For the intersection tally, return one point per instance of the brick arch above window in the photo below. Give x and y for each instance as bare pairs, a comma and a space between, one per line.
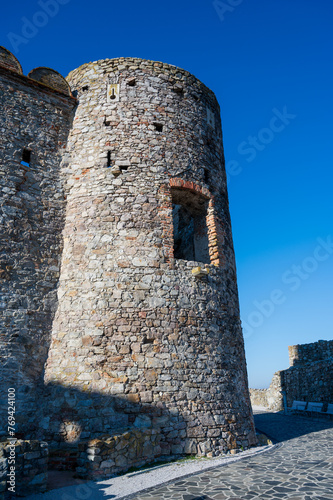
177, 182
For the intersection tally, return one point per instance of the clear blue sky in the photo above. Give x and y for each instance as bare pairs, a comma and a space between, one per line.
270, 66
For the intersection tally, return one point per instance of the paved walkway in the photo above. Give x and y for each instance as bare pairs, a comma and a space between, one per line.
301, 468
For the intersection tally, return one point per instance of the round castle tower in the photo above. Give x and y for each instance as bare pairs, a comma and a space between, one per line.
137, 324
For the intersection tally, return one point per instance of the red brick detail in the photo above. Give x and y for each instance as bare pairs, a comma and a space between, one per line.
216, 236
165, 214
195, 188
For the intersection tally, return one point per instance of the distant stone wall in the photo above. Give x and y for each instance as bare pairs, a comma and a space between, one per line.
274, 393
28, 474
309, 382
258, 397
309, 353
309, 378
270, 398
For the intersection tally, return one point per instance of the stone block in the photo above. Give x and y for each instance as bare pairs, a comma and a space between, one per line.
107, 464
31, 455
121, 461
142, 421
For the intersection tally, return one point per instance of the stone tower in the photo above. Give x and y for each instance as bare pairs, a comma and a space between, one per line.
147, 204
119, 304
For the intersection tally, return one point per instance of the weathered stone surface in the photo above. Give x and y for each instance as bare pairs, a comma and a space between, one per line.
35, 121
118, 453
30, 469
309, 378
165, 340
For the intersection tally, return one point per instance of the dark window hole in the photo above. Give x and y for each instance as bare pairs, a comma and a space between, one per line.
109, 159
26, 157
206, 175
148, 341
158, 127
178, 89
85, 88
131, 82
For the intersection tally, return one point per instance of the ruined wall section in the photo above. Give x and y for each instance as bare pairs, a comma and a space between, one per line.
35, 118
309, 377
133, 324
308, 353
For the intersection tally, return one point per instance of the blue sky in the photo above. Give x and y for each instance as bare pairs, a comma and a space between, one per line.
270, 66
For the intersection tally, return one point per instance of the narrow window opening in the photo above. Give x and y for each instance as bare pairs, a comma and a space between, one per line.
148, 341
113, 94
131, 82
107, 122
158, 127
206, 175
85, 88
178, 89
183, 232
108, 159
26, 157
190, 233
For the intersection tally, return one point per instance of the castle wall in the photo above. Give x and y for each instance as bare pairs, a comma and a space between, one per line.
134, 327
309, 378
259, 397
309, 353
35, 118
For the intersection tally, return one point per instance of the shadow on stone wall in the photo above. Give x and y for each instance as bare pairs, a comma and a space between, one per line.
93, 435
72, 422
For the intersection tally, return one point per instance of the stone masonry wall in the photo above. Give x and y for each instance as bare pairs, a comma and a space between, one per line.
259, 397
309, 353
109, 455
35, 118
309, 378
309, 382
134, 329
28, 474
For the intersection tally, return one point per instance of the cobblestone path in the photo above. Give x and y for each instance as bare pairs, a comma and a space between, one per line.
301, 468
